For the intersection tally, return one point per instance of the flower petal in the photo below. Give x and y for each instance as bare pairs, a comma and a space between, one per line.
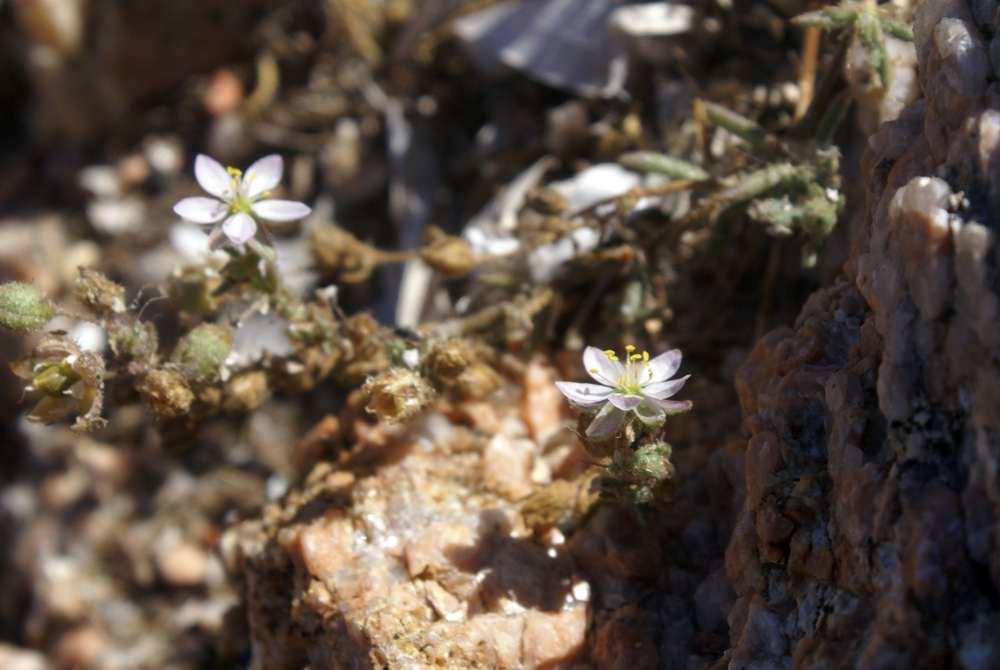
216, 239
663, 390
665, 365
263, 175
671, 406
607, 370
606, 422
212, 176
239, 227
201, 210
584, 396
281, 210
625, 402
650, 414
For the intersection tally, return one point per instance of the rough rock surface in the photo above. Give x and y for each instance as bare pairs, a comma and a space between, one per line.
868, 536
420, 549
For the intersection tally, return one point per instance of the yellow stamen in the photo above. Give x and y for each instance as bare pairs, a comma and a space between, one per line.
645, 356
265, 194
234, 172
232, 184
609, 352
634, 357
629, 348
593, 369
619, 381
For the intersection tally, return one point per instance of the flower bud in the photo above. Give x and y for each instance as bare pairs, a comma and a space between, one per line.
138, 340
23, 308
397, 394
202, 351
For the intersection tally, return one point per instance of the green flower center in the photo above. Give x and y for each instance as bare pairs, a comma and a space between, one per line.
240, 201
55, 378
635, 365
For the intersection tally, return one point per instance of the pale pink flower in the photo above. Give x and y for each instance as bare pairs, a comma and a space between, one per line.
238, 199
640, 385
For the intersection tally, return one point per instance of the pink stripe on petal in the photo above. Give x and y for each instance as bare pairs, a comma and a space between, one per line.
281, 210
212, 177
263, 175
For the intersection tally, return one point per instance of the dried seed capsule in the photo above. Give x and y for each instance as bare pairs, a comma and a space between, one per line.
451, 256
98, 293
166, 393
397, 395
71, 379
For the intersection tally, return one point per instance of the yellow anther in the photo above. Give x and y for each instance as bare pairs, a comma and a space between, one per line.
232, 184
619, 381
645, 356
593, 369
609, 352
634, 357
234, 172
265, 194
629, 348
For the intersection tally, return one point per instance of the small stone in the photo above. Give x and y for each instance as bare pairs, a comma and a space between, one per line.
224, 93
80, 647
183, 565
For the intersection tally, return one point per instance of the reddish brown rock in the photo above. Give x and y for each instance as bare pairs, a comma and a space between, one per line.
868, 535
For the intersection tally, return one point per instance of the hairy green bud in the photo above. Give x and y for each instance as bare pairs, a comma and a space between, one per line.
202, 351
23, 308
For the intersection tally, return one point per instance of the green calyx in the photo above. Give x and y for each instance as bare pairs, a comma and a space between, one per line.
23, 308
203, 350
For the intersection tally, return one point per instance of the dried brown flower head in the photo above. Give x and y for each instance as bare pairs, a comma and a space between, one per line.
71, 379
166, 393
98, 293
396, 395
451, 256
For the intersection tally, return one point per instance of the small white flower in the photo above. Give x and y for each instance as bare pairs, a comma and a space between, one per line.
640, 385
237, 202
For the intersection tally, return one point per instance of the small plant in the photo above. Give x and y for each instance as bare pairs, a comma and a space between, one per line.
628, 406
865, 22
